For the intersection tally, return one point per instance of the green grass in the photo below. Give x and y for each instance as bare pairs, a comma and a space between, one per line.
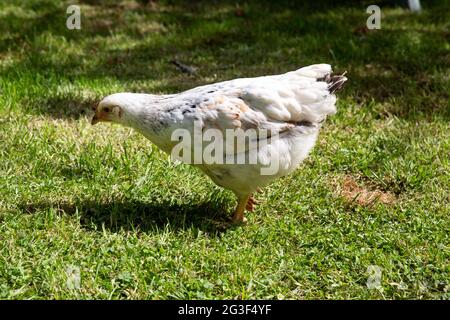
104, 200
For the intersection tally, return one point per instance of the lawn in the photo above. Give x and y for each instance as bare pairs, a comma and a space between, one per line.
97, 212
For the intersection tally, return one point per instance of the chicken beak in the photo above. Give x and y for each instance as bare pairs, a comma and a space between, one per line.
95, 119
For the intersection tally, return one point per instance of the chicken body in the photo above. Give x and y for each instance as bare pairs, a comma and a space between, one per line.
283, 113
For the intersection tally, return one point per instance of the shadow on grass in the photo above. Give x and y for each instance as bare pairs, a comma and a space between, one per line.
208, 217
63, 107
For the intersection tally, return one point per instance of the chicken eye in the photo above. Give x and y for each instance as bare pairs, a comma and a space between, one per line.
107, 109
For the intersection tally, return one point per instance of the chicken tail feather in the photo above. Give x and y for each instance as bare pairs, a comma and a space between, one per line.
335, 82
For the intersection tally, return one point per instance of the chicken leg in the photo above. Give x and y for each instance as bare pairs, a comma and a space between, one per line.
238, 217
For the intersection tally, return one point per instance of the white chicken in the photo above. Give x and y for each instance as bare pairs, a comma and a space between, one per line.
286, 112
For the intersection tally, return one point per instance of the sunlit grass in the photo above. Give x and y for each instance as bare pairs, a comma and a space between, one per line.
106, 201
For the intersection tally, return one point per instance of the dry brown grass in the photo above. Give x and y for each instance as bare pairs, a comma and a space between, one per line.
354, 192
